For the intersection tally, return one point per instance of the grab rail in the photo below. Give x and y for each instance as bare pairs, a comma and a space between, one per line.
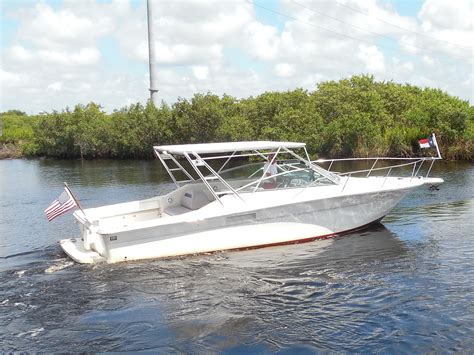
377, 159
378, 169
412, 161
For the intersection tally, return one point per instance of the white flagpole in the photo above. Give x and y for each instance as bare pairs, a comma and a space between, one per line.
436, 144
75, 200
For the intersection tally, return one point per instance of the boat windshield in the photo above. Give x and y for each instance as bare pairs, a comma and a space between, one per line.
283, 165
290, 173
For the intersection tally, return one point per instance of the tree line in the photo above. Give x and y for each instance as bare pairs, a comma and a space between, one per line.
354, 117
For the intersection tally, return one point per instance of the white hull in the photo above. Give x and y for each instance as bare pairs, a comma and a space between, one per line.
308, 214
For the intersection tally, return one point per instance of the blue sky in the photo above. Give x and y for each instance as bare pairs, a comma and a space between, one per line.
56, 53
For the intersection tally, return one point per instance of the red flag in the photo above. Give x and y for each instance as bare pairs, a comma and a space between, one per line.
429, 142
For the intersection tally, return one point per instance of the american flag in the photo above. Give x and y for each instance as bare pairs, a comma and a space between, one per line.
64, 203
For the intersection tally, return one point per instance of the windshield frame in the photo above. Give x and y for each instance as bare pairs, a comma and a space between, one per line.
200, 165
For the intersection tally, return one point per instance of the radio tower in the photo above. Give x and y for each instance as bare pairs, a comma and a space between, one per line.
151, 54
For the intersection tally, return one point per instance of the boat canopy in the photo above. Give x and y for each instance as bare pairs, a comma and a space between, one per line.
225, 147
200, 165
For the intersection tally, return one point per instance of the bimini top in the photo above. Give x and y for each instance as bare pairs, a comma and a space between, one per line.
225, 147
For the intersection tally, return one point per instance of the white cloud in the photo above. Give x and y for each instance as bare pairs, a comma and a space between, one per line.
430, 61
56, 86
372, 58
85, 56
186, 33
284, 70
9, 79
61, 49
183, 54
402, 67
442, 14
18, 52
200, 72
84, 87
409, 44
262, 40
49, 28
447, 27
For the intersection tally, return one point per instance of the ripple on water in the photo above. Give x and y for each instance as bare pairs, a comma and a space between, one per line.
406, 287
350, 293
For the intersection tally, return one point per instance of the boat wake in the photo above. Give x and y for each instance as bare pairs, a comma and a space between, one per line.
59, 265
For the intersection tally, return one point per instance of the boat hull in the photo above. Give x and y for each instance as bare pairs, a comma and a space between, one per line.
281, 224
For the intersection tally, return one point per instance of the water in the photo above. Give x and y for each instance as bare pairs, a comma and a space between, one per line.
404, 286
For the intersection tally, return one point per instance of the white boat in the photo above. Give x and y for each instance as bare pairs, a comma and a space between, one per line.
219, 206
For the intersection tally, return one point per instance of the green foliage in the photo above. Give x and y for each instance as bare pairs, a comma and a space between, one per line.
135, 129
351, 117
198, 120
16, 127
13, 113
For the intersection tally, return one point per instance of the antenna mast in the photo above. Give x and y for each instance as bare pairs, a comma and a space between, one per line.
151, 54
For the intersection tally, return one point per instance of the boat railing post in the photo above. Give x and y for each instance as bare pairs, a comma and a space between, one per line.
347, 180
413, 171
418, 170
324, 172
436, 144
389, 171
181, 167
265, 170
170, 173
330, 165
228, 159
213, 172
373, 166
196, 169
307, 154
429, 170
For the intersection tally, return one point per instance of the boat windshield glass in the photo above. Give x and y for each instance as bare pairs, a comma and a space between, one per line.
290, 173
229, 173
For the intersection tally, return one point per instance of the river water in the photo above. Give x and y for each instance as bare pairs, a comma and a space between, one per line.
406, 285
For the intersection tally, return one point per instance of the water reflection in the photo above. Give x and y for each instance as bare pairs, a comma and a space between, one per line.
442, 212
102, 172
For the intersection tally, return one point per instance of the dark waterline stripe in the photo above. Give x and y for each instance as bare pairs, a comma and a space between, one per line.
310, 239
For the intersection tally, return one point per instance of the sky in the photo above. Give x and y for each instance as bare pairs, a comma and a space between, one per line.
60, 53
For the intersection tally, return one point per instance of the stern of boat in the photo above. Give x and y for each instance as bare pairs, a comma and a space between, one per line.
76, 250
89, 248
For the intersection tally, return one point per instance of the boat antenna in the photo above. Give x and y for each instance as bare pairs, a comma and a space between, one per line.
151, 53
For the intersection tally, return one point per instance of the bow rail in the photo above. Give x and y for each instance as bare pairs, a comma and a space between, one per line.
417, 164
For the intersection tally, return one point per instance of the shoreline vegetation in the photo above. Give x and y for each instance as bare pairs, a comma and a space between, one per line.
355, 117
